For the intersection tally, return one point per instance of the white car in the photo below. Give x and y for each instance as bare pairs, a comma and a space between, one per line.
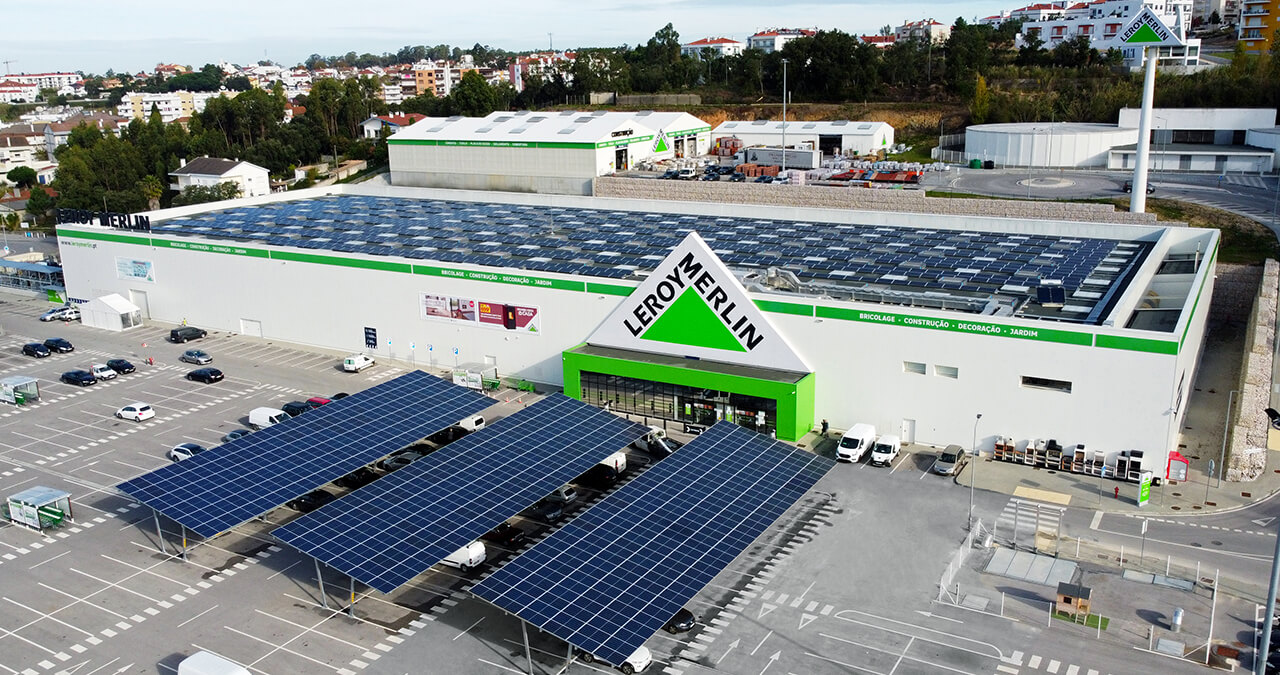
67, 313
356, 363
136, 412
885, 450
638, 662
183, 451
102, 371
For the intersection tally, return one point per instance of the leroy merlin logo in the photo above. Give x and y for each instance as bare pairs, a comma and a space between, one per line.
690, 306
1147, 29
660, 145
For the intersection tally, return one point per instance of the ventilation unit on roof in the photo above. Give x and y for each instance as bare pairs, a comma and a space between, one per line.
1050, 293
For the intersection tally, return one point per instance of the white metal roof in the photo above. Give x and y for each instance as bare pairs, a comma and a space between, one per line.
839, 127
546, 127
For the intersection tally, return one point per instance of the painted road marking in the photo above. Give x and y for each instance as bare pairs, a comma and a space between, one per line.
1042, 495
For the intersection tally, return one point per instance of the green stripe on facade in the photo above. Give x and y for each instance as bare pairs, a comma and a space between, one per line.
499, 278
210, 248
342, 262
955, 325
1208, 269
609, 289
1135, 344
629, 140
105, 236
784, 307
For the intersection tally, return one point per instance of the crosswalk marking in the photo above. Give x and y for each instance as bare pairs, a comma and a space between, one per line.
1034, 662
1052, 667
1022, 514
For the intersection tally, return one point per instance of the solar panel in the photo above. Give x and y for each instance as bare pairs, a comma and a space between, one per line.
395, 528
614, 575
230, 484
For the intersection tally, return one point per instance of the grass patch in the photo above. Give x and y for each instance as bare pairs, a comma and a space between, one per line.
919, 152
966, 195
1091, 621
1244, 240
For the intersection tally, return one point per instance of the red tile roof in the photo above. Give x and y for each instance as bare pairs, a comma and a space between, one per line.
713, 41
402, 120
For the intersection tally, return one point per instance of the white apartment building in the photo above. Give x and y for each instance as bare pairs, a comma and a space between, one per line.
45, 80
925, 29
172, 105
12, 91
15, 151
1103, 20
540, 64
722, 46
774, 39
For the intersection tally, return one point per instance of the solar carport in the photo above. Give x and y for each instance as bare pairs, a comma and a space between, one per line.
610, 578
248, 477
397, 527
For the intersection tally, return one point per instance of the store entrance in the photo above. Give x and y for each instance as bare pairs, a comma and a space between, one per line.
689, 409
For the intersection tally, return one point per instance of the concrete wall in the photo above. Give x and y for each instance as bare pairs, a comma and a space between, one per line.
1041, 146
1250, 424
1265, 138
1202, 118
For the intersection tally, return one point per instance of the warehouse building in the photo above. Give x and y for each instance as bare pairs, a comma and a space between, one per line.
555, 152
688, 313
841, 137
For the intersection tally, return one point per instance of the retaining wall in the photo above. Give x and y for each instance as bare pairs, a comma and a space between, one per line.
1250, 424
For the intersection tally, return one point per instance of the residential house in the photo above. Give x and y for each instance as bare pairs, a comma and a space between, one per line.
925, 29
57, 133
881, 41
15, 151
253, 180
1102, 22
540, 64
13, 91
773, 39
374, 125
721, 46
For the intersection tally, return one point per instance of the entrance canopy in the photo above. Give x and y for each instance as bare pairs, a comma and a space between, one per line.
614, 575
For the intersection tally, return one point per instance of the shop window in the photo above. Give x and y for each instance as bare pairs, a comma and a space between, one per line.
1046, 383
947, 371
913, 367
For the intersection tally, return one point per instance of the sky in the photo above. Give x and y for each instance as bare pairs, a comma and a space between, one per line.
93, 36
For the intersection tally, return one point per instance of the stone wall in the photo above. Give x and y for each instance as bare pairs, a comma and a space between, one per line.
864, 199
1250, 423
1235, 290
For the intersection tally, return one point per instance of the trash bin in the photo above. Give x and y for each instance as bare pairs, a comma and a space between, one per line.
975, 164
19, 398
1176, 624
989, 164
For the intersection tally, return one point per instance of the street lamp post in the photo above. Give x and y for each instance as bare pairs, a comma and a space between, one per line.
973, 466
784, 114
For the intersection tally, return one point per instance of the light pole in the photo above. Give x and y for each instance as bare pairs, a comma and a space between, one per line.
973, 467
784, 114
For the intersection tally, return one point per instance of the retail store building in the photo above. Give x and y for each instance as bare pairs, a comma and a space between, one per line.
686, 313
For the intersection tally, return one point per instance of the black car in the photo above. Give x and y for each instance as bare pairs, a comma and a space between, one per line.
234, 434
448, 435
357, 479
179, 335
600, 476
59, 345
310, 501
671, 174
341, 394
738, 178
399, 459
711, 176
205, 375
83, 378
1128, 187
295, 408
546, 511
680, 623
507, 535
35, 349
121, 366
763, 179
726, 170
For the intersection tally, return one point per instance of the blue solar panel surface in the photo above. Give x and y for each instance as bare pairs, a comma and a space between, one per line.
232, 483
394, 529
618, 244
613, 576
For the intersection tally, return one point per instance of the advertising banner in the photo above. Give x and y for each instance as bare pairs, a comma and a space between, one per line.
132, 268
487, 314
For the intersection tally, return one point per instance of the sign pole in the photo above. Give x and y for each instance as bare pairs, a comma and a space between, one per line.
1138, 196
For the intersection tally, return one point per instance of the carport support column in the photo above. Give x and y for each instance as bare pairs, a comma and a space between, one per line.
1138, 196
184, 543
351, 608
320, 578
159, 535
528, 655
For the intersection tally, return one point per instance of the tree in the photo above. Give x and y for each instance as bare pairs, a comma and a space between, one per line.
981, 104
202, 194
152, 189
39, 204
11, 221
22, 176
473, 96
1215, 18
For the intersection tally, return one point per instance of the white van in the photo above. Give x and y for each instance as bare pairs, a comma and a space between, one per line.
473, 423
261, 418
885, 450
207, 663
356, 363
656, 443
617, 461
855, 442
466, 558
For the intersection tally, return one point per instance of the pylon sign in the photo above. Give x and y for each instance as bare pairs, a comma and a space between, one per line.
1147, 30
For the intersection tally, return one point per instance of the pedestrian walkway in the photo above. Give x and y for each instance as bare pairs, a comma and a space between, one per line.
1258, 213
1249, 181
1013, 665
1022, 519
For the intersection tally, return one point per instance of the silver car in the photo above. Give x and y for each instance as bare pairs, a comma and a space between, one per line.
195, 356
951, 460
67, 313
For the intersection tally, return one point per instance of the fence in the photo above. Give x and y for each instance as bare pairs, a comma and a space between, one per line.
957, 563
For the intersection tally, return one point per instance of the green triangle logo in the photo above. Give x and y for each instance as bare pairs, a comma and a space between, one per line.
661, 144
1144, 34
689, 321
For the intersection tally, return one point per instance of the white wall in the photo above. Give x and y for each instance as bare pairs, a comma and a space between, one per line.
1202, 118
1043, 145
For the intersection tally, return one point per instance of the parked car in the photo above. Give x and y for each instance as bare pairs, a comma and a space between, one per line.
682, 622
885, 450
341, 394
725, 170
83, 378
1128, 187
448, 435
763, 179
507, 535
782, 180
234, 434
59, 345
855, 442
357, 479
738, 178
711, 176
205, 375
136, 412
317, 401
195, 356
356, 363
310, 501
670, 174
656, 443
102, 371
565, 494
35, 349
66, 313
545, 511
121, 366
686, 174
183, 451
600, 477
467, 558
295, 408
186, 333
950, 461
636, 663
399, 459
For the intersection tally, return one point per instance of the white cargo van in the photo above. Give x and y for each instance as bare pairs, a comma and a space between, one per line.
473, 423
885, 450
261, 418
855, 442
207, 663
466, 558
656, 443
617, 461
356, 363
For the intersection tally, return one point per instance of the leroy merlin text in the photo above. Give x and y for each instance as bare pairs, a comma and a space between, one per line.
669, 289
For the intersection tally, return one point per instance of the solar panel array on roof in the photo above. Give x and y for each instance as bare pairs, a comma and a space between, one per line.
614, 575
844, 259
227, 485
394, 529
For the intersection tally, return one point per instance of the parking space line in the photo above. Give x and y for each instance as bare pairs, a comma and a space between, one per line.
49, 560
280, 648
196, 616
905, 457
42, 615
310, 630
9, 633
146, 570
116, 584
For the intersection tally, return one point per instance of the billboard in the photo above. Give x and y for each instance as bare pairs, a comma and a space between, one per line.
496, 315
131, 268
